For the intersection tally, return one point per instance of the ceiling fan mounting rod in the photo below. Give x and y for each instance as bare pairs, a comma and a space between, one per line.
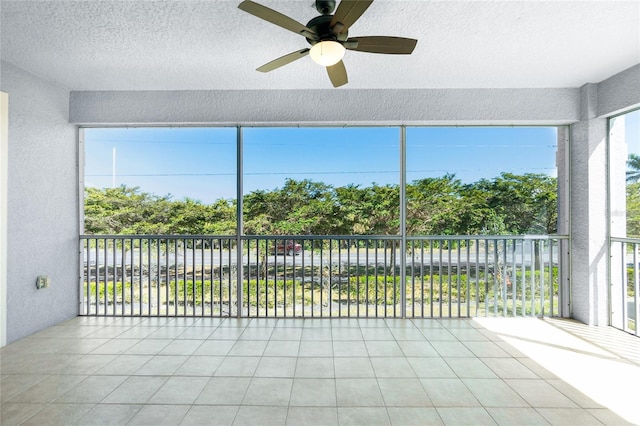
325, 7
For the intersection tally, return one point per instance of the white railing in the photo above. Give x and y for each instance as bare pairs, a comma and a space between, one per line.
322, 276
624, 287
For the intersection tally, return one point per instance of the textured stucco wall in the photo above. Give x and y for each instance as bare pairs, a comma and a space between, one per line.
42, 204
298, 107
619, 92
589, 216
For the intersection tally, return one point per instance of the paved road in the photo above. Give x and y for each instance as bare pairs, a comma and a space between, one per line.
216, 258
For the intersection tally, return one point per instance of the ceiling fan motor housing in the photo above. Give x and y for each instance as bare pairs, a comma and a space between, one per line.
321, 25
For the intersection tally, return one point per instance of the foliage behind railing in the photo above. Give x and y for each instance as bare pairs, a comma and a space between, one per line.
321, 276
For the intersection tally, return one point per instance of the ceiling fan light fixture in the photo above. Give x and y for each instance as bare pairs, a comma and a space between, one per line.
327, 53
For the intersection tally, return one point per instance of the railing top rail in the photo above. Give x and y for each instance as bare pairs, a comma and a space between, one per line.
625, 240
340, 237
487, 237
244, 237
149, 237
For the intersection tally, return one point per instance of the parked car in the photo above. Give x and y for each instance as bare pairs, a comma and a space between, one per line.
288, 247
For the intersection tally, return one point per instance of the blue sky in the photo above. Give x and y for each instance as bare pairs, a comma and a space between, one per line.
200, 163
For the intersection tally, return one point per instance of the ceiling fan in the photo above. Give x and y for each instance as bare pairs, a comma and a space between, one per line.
328, 36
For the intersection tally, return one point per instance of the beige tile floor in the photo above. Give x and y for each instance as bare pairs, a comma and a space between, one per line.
210, 371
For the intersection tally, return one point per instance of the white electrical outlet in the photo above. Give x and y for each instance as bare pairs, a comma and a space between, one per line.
42, 282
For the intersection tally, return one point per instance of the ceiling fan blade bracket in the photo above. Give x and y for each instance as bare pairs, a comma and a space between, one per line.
337, 28
274, 17
349, 11
310, 35
350, 44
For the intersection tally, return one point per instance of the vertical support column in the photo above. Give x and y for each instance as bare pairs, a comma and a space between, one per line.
563, 165
617, 185
4, 189
589, 216
403, 221
81, 277
239, 225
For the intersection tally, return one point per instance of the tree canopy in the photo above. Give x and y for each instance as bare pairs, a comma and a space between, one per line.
509, 203
633, 168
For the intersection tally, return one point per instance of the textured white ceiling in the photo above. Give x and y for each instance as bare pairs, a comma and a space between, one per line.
212, 45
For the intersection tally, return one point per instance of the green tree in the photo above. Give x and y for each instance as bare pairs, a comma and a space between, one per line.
633, 168
510, 203
526, 203
434, 206
633, 209
125, 210
298, 208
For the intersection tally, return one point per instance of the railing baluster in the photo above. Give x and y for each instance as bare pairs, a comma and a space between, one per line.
431, 277
636, 287
174, 299
468, 281
386, 276
523, 291
266, 283
505, 277
449, 242
552, 295
165, 276
542, 279
86, 277
230, 283
347, 274
366, 278
140, 295
514, 277
285, 264
355, 292
413, 245
194, 276
395, 248
440, 279
97, 242
422, 289
340, 243
458, 279
486, 277
302, 279
104, 278
532, 277
478, 276
321, 271
123, 275
312, 278
202, 277
376, 284
624, 280
156, 265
